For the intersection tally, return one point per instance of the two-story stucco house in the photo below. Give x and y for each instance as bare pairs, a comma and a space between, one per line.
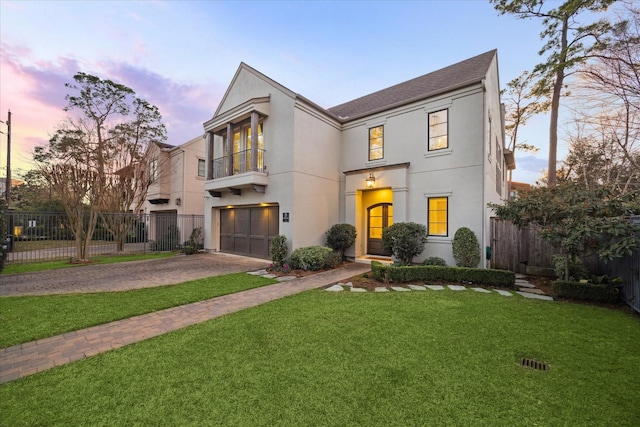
177, 186
429, 150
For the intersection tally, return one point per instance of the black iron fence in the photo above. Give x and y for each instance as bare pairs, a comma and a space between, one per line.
42, 236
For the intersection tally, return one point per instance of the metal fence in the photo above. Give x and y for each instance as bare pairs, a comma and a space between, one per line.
43, 236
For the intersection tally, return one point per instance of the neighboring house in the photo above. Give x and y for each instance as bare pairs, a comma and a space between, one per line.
177, 186
429, 150
516, 187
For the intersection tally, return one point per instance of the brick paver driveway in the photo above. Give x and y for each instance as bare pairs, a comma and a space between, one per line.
127, 275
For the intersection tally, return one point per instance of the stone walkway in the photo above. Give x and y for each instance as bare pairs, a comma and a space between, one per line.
36, 356
524, 289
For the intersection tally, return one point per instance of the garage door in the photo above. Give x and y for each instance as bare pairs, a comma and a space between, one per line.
248, 231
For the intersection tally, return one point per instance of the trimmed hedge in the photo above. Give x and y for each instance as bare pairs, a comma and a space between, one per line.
585, 291
479, 276
314, 258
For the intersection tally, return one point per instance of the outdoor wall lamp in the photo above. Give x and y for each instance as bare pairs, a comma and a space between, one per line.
371, 181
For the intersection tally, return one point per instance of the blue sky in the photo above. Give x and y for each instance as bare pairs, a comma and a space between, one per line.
181, 55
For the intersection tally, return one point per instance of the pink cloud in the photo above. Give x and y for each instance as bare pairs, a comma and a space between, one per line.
35, 92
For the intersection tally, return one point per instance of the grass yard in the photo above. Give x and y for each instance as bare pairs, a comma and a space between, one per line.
344, 359
54, 265
29, 318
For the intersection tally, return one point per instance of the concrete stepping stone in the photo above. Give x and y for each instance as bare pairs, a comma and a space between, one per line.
400, 289
349, 284
521, 276
381, 290
258, 272
269, 276
533, 291
504, 293
483, 290
358, 289
417, 288
285, 278
435, 287
335, 288
457, 287
524, 284
535, 296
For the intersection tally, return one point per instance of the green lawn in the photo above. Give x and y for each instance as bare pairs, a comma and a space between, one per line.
29, 318
54, 265
343, 359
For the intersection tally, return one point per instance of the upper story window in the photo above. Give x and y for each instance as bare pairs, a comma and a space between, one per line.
439, 130
376, 143
153, 169
201, 167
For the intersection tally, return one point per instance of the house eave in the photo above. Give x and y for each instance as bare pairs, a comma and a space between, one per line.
238, 113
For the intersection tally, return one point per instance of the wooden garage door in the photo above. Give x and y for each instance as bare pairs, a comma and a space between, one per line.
248, 231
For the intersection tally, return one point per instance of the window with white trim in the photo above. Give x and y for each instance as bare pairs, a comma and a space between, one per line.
376, 143
438, 130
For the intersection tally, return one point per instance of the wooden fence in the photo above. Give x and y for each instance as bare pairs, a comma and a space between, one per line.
515, 249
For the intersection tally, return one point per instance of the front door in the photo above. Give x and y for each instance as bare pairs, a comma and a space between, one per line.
379, 217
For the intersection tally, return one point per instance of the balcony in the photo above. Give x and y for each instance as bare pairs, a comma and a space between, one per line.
239, 170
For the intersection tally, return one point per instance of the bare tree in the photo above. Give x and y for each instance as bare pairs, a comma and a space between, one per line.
568, 44
129, 175
94, 161
608, 119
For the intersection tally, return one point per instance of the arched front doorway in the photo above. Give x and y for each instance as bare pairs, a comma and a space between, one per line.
379, 217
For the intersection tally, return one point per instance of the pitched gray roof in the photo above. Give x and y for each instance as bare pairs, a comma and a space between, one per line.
463, 73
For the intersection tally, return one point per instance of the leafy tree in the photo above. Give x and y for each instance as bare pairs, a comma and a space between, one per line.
405, 240
35, 194
567, 43
93, 161
340, 237
466, 249
577, 220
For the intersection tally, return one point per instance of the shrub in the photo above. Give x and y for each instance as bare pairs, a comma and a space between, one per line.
332, 260
466, 249
577, 270
192, 245
607, 293
340, 237
404, 240
434, 260
481, 276
278, 249
310, 258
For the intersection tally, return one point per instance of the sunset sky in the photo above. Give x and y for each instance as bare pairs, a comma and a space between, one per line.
181, 55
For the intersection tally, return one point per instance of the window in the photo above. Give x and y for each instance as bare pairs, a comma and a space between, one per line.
242, 149
376, 143
438, 216
438, 130
201, 167
153, 169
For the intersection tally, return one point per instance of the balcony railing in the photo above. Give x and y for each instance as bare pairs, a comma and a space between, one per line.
238, 163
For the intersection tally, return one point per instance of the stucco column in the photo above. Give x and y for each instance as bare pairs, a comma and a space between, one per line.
352, 207
254, 140
400, 204
228, 150
209, 155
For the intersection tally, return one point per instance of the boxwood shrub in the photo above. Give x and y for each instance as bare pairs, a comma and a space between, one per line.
479, 276
586, 291
314, 258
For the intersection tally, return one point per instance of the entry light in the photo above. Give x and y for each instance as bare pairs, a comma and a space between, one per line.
371, 181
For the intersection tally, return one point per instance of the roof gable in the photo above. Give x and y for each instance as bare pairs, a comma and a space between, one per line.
464, 73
